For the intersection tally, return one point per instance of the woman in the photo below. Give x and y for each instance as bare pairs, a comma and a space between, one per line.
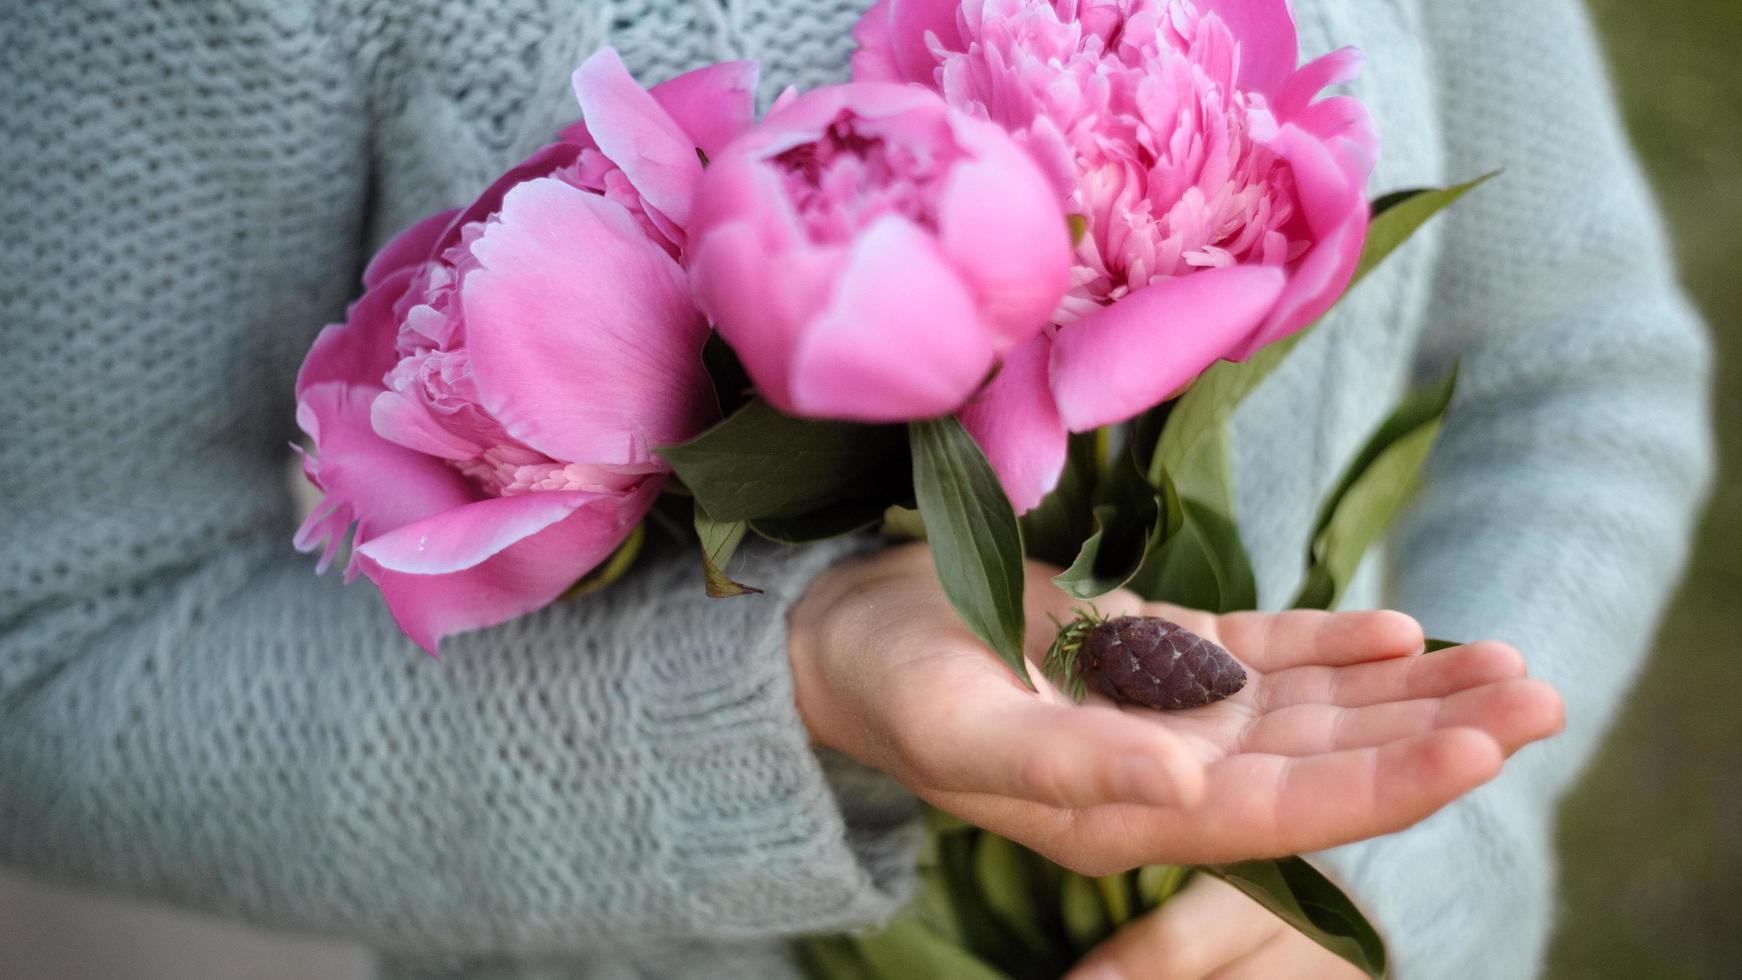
627, 785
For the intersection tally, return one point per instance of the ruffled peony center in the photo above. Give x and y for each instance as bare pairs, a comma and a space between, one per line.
1172, 171
855, 174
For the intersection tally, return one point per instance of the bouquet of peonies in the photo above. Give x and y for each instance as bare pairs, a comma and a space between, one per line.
1003, 290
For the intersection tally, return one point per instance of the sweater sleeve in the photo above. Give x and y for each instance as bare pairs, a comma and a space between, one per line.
1558, 504
186, 711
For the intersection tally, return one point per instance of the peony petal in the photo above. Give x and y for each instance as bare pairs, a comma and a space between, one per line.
458, 539
364, 479
410, 248
806, 118
759, 313
360, 350
522, 575
1344, 126
638, 135
1269, 46
1017, 424
1327, 191
406, 421
1304, 85
874, 60
754, 270
1130, 356
909, 23
1314, 285
712, 105
900, 340
1004, 228
543, 162
584, 342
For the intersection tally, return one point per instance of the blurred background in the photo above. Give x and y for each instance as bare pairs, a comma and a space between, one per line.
1651, 842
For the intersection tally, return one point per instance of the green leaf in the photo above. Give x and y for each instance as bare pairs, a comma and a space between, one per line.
1056, 528
833, 958
1202, 565
1398, 215
975, 540
1116, 896
1435, 646
1193, 448
1156, 883
719, 541
903, 523
1374, 488
1018, 886
1085, 918
1305, 899
1133, 517
912, 951
845, 516
759, 464
613, 567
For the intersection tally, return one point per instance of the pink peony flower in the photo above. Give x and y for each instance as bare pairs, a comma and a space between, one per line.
870, 253
1223, 207
487, 413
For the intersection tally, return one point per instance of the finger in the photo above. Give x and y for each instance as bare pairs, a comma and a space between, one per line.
1207, 925
1277, 641
1431, 675
1269, 805
1512, 712
1289, 955
1011, 743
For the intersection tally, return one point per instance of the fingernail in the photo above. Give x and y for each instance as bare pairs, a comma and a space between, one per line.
1141, 779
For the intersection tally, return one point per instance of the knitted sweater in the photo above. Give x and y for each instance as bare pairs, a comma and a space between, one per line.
621, 786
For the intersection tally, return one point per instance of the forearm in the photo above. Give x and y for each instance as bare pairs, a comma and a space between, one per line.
628, 765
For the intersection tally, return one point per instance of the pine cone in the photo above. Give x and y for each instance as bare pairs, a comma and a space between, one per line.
1157, 664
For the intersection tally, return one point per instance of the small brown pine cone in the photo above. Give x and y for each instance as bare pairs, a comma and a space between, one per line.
1151, 662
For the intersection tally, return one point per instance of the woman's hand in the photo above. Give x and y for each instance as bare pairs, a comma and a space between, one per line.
1211, 930
1340, 734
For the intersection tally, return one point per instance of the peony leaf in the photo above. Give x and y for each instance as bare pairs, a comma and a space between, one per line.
1202, 565
911, 950
1193, 448
719, 541
975, 540
1156, 883
1084, 915
1055, 530
1131, 518
1193, 444
842, 517
1398, 215
758, 463
1298, 894
614, 567
1018, 887
1376, 485
832, 958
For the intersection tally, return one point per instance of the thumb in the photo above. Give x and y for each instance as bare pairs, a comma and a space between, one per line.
1206, 926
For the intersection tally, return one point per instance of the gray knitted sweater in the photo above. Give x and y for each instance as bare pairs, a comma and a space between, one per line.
621, 786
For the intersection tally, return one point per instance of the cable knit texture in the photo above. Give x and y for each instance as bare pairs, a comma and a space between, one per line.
620, 786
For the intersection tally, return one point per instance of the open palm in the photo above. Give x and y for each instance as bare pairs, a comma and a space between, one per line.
1343, 731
